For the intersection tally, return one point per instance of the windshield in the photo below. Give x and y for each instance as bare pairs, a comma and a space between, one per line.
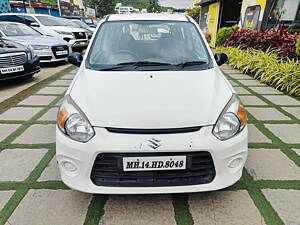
71, 23
50, 21
87, 21
81, 24
10, 29
162, 44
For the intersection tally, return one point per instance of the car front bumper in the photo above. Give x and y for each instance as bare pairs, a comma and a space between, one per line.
31, 67
47, 56
83, 155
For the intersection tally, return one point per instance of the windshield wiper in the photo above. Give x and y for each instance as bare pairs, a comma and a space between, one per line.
145, 63
190, 63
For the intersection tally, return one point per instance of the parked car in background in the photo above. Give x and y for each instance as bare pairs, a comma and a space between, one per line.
86, 20
71, 23
17, 60
83, 25
49, 49
51, 26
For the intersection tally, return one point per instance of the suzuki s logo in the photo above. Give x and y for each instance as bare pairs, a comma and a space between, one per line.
154, 142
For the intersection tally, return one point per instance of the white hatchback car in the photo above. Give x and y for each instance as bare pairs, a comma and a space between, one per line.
149, 111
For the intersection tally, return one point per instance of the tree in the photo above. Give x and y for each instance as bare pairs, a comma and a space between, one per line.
194, 13
103, 7
153, 6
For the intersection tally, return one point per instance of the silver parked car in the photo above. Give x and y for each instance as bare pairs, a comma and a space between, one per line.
49, 49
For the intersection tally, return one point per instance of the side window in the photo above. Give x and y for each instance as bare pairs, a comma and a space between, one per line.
12, 18
251, 17
28, 20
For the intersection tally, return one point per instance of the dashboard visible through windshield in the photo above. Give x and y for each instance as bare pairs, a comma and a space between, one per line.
148, 45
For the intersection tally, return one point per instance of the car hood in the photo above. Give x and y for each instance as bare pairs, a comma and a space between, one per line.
66, 28
38, 40
9, 46
151, 100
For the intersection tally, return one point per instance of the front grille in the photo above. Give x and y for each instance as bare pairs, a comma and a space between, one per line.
108, 171
153, 131
12, 59
79, 35
60, 48
45, 57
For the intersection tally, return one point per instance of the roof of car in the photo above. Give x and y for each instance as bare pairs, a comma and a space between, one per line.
148, 16
25, 14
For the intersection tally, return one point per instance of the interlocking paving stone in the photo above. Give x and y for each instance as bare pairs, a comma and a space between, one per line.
267, 114
240, 76
241, 90
255, 136
51, 207
52, 90
17, 164
19, 113
37, 100
4, 197
252, 100
59, 102
51, 172
234, 84
286, 203
293, 110
265, 90
138, 209
288, 133
69, 76
251, 83
282, 100
7, 129
50, 115
224, 207
271, 164
231, 71
297, 151
43, 134
62, 82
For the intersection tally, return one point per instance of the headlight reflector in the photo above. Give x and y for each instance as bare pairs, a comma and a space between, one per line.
72, 121
232, 120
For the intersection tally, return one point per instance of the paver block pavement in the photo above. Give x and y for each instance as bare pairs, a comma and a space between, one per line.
252, 100
4, 197
282, 100
271, 164
138, 210
265, 90
288, 133
50, 115
295, 111
51, 172
51, 207
286, 203
267, 114
17, 164
37, 100
255, 136
7, 129
297, 151
62, 82
69, 76
233, 83
224, 207
37, 134
241, 90
240, 76
19, 113
251, 83
52, 90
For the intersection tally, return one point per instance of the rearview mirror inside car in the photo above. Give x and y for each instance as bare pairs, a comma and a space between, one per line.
75, 58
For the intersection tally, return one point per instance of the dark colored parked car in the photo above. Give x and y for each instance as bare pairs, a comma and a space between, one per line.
17, 60
86, 20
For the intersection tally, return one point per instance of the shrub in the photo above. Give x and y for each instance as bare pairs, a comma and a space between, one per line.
223, 33
267, 67
298, 47
264, 40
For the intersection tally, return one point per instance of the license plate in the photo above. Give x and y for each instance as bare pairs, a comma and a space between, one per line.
154, 163
12, 69
64, 52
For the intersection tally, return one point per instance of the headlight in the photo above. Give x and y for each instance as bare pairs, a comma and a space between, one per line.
231, 121
40, 47
31, 53
63, 32
72, 121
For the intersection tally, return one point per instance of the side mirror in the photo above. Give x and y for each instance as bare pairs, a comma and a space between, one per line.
75, 58
34, 24
221, 58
